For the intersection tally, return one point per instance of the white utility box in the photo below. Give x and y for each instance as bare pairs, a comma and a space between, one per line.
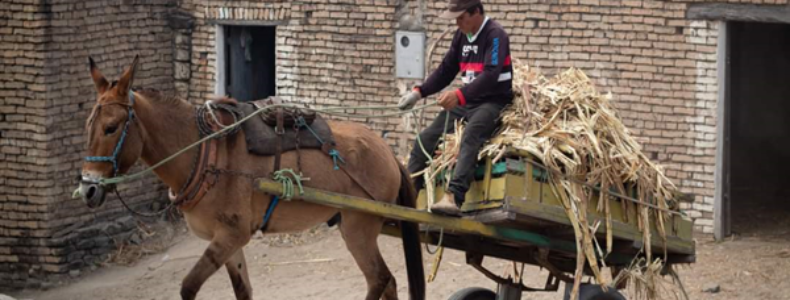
410, 54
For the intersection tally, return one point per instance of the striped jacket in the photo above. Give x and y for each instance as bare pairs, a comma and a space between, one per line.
484, 63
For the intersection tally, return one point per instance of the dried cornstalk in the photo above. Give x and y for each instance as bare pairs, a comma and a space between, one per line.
572, 129
645, 281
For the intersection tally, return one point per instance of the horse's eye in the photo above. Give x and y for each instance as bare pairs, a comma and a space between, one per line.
110, 129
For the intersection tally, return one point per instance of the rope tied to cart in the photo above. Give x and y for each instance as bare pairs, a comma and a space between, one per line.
287, 177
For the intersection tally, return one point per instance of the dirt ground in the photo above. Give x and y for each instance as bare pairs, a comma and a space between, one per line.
315, 265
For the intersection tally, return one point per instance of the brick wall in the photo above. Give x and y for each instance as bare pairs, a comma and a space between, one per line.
22, 129
45, 96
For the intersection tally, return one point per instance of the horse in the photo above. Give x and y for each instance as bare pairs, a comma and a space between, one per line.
128, 125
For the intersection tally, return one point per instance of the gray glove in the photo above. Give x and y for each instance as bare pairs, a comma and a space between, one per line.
408, 101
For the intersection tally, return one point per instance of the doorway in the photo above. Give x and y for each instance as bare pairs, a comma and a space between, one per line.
756, 166
249, 62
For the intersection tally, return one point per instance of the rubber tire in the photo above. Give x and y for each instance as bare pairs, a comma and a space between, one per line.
473, 293
595, 292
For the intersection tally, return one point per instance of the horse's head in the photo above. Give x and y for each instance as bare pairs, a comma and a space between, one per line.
115, 137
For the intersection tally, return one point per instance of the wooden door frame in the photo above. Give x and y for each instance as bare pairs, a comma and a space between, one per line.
220, 72
722, 221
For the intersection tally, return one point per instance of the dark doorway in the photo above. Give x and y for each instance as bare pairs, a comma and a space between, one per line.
758, 111
250, 56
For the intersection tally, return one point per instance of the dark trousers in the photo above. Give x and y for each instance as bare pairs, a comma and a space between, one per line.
481, 121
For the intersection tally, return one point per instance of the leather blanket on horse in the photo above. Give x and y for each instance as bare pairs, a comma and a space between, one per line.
261, 135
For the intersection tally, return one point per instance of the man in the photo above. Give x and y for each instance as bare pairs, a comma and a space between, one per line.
480, 50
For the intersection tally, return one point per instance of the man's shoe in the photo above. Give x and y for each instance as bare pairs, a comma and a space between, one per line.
446, 206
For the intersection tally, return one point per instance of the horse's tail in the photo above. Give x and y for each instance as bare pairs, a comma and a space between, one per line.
410, 232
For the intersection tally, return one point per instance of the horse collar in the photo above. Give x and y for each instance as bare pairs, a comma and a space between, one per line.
198, 185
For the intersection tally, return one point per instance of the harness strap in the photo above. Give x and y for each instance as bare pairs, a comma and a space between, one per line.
269, 211
280, 131
302, 123
333, 153
199, 186
191, 189
119, 146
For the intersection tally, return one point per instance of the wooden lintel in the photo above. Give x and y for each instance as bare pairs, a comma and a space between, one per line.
225, 22
739, 12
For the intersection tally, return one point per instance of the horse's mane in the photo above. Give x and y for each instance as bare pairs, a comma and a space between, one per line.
158, 96
172, 99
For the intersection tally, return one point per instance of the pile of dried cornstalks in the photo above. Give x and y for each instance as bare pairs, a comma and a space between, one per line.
575, 132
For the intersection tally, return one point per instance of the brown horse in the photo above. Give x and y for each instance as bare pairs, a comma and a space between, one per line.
128, 125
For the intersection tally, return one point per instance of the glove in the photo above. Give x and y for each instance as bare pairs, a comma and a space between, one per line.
408, 101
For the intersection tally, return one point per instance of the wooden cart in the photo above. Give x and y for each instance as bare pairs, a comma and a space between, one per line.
511, 213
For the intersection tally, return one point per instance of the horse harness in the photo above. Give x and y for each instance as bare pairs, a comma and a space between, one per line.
205, 173
113, 159
198, 184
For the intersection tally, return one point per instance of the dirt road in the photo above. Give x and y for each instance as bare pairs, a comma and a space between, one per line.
317, 266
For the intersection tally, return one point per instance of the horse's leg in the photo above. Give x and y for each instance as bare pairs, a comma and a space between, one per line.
237, 269
222, 247
360, 232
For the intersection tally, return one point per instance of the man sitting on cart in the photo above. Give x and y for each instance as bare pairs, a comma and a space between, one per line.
480, 50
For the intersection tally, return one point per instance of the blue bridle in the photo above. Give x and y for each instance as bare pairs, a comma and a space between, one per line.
114, 158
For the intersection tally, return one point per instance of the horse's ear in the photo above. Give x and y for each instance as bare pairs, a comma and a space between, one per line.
125, 83
98, 79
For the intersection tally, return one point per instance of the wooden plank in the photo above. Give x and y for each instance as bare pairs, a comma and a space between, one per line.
739, 12
487, 179
501, 217
620, 230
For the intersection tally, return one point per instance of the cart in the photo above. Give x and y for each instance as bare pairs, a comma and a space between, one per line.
511, 213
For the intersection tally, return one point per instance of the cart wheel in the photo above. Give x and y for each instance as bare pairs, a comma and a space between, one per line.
473, 293
595, 292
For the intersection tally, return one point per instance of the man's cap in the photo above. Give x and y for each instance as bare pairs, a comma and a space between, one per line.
455, 8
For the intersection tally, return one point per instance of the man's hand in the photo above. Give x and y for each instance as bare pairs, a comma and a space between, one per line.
448, 100
408, 101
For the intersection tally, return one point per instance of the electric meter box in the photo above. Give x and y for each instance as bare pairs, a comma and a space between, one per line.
410, 54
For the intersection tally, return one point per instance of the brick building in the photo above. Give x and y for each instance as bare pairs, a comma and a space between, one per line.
682, 73
45, 97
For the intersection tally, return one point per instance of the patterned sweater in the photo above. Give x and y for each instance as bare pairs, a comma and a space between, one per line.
484, 63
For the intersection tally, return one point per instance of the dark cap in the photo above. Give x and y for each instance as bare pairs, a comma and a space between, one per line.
457, 7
